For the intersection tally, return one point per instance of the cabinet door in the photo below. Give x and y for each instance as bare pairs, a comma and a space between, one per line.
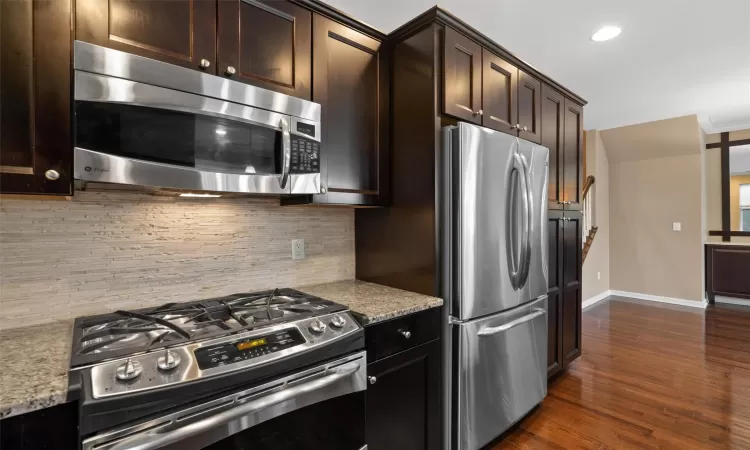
350, 73
266, 43
571, 287
529, 107
555, 360
35, 143
573, 155
462, 77
553, 115
404, 400
499, 87
181, 32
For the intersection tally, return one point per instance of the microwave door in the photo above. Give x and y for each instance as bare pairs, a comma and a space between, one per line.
133, 133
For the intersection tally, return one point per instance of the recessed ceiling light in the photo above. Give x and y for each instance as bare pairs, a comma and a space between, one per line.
190, 194
606, 33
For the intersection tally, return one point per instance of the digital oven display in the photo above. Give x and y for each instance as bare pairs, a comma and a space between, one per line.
251, 344
306, 129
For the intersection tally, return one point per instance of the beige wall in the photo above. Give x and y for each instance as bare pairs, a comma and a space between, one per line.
646, 256
712, 161
597, 260
107, 251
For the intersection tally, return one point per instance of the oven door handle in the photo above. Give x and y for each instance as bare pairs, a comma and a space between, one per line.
159, 437
286, 145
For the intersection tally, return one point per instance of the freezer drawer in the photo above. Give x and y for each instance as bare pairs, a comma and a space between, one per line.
500, 372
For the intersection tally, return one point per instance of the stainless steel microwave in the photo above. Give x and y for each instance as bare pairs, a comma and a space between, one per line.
143, 122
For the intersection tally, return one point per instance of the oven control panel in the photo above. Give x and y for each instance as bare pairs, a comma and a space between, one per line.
305, 155
192, 361
248, 348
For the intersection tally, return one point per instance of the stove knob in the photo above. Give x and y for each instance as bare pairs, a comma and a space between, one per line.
169, 361
317, 327
338, 321
129, 371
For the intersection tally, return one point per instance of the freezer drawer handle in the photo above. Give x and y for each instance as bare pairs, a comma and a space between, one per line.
489, 331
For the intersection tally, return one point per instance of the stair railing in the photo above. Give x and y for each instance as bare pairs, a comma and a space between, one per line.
589, 213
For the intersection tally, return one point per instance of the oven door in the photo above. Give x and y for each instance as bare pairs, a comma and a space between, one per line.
134, 133
318, 408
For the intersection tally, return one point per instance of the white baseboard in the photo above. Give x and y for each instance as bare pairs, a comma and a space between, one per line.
731, 300
595, 299
657, 298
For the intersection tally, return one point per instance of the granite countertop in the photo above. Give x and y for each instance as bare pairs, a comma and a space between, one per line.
31, 380
373, 303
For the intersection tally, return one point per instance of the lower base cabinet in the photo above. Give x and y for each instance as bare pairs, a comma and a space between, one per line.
404, 390
403, 400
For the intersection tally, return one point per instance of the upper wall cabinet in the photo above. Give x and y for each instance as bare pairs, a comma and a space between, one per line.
181, 32
35, 141
482, 88
267, 44
562, 134
573, 155
350, 81
463, 77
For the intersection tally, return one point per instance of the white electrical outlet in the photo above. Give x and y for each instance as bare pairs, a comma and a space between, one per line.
298, 249
598, 275
676, 226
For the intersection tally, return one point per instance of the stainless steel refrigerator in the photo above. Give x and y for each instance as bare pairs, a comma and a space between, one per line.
494, 255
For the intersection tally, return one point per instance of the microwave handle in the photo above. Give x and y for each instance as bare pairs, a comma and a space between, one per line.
286, 146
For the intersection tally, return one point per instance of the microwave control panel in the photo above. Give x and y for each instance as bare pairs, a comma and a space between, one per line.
305, 155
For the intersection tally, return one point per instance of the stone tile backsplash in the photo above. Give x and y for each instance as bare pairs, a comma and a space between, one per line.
104, 251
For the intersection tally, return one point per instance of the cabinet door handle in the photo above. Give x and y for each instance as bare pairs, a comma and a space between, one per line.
525, 128
406, 334
205, 64
372, 380
478, 113
51, 175
230, 71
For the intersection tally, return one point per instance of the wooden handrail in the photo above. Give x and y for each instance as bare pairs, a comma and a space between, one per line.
590, 180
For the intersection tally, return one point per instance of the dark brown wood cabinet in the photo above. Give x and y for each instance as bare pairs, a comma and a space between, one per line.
562, 134
462, 92
564, 295
499, 89
483, 88
555, 360
553, 119
573, 156
727, 267
181, 32
35, 93
350, 81
529, 107
266, 43
404, 400
571, 286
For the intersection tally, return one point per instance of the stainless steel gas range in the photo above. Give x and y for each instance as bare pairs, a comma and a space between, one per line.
275, 370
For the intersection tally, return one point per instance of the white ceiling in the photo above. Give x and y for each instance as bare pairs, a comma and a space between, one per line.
673, 58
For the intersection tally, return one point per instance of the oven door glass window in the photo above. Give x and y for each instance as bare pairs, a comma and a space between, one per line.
172, 137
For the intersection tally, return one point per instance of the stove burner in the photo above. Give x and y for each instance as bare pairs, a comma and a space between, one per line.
267, 314
127, 332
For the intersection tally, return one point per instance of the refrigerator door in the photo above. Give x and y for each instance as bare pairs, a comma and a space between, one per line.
488, 189
536, 162
500, 372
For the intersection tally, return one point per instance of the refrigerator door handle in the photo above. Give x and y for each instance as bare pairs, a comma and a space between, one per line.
528, 212
489, 331
514, 266
522, 269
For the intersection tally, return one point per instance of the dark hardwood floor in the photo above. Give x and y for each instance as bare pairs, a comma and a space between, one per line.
651, 376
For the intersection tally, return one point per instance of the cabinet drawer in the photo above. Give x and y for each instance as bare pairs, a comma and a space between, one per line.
396, 335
